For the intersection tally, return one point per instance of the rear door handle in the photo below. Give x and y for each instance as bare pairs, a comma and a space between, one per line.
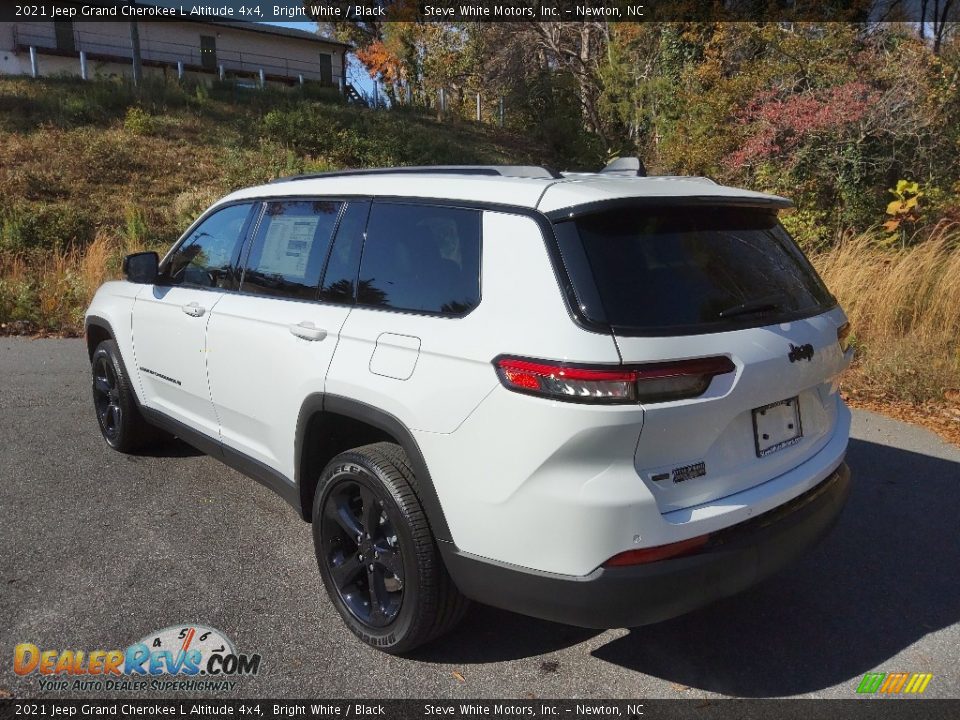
308, 331
193, 309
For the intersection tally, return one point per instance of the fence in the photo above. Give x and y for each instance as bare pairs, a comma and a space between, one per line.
468, 104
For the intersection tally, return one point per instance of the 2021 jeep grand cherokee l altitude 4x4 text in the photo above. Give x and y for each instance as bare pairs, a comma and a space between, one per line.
599, 399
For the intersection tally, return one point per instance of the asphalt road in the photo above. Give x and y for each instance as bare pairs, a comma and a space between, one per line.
97, 549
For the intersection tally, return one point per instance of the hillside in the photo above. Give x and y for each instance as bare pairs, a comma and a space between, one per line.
90, 171
78, 159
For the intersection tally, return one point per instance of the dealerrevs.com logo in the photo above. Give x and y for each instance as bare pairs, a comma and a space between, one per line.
188, 658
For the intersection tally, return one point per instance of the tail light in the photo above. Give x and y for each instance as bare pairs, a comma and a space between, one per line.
843, 336
651, 382
660, 552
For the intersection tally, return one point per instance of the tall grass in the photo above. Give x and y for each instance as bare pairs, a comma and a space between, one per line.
49, 292
904, 307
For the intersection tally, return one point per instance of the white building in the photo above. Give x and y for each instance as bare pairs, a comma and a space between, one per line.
205, 48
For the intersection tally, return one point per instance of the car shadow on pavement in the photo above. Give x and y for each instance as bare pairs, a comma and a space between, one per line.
489, 635
885, 577
172, 447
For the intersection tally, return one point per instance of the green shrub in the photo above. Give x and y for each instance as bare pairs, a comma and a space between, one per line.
54, 226
135, 226
139, 122
18, 300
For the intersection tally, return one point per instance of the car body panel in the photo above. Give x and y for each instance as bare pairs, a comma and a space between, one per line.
717, 428
170, 348
260, 371
454, 370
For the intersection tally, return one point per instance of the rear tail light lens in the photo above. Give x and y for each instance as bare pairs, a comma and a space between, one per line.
652, 382
661, 552
843, 336
659, 382
567, 382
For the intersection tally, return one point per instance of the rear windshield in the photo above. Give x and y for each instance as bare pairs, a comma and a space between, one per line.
683, 270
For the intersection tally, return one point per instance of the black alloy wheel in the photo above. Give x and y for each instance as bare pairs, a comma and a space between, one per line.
362, 551
106, 397
121, 423
377, 555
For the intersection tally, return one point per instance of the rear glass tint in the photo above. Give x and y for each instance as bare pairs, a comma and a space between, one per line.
688, 269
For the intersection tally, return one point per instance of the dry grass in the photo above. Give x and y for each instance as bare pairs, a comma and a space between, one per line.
904, 306
48, 293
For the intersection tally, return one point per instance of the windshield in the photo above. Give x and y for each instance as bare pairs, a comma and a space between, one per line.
684, 270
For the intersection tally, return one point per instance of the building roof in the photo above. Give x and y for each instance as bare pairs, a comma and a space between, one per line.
275, 30
549, 195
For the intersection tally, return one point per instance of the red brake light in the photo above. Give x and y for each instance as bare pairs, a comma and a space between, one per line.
567, 382
651, 382
661, 552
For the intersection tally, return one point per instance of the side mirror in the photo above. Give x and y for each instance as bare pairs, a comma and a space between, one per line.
141, 267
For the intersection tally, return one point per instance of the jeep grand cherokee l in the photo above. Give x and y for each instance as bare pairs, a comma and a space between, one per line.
602, 399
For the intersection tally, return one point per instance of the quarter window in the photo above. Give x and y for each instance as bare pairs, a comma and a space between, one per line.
209, 256
289, 249
421, 258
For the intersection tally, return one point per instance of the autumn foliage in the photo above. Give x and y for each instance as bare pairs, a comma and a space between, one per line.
778, 123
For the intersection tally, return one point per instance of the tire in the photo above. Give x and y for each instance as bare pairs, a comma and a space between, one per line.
121, 423
414, 599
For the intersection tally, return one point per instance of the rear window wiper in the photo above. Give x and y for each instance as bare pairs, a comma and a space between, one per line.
771, 303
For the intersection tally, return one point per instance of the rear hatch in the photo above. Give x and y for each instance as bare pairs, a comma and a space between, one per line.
677, 283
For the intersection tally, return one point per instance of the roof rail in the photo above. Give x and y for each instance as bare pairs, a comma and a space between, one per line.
632, 166
518, 171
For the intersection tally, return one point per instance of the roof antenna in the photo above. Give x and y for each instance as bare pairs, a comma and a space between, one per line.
632, 166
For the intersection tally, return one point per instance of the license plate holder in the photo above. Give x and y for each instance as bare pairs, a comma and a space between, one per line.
777, 426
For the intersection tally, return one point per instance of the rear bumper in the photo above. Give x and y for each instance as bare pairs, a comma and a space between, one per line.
734, 559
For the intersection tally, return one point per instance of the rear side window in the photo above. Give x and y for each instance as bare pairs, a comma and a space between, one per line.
689, 270
421, 258
289, 249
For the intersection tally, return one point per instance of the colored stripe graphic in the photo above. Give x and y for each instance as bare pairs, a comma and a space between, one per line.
918, 683
894, 683
871, 682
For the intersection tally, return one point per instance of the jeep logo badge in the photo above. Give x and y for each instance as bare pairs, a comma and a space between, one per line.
800, 352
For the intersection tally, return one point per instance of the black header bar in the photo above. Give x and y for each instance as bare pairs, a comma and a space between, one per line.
470, 10
702, 709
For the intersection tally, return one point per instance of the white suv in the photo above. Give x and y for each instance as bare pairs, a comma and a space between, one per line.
601, 399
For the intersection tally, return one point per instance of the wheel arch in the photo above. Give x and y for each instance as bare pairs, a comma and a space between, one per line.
96, 330
330, 424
